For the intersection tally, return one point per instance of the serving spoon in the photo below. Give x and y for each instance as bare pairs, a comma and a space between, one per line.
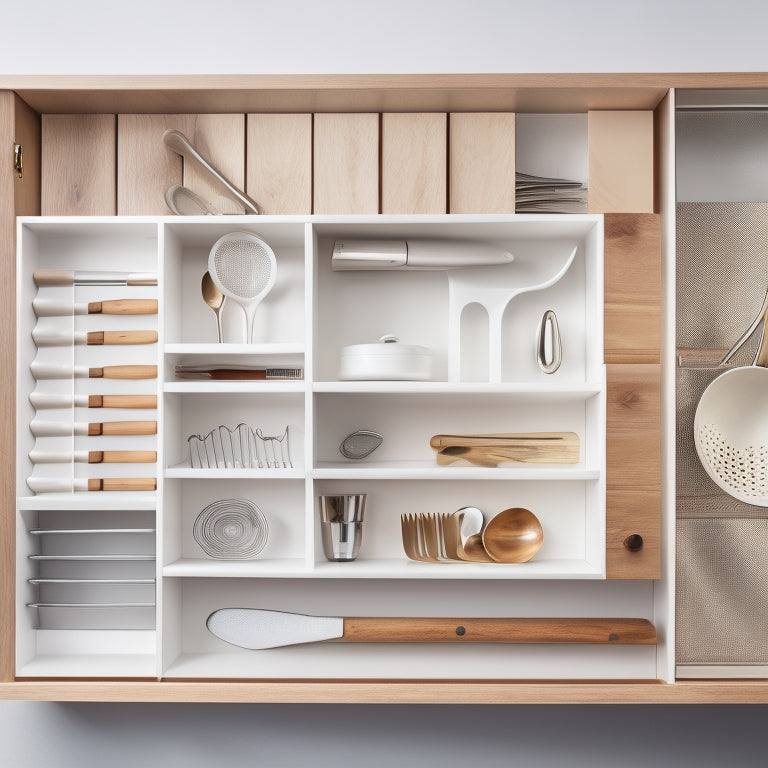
215, 299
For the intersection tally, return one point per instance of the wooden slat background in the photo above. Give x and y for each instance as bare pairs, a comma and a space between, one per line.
346, 163
78, 165
414, 174
279, 163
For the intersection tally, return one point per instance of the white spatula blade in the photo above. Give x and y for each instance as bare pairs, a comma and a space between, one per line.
257, 629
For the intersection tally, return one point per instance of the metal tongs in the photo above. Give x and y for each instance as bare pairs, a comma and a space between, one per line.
747, 335
180, 144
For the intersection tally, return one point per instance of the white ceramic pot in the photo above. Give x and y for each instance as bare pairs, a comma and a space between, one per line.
387, 360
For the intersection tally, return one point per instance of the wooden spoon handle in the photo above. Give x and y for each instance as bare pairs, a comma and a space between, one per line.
123, 307
500, 630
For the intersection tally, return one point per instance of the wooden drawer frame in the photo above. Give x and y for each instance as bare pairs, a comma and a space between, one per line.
632, 318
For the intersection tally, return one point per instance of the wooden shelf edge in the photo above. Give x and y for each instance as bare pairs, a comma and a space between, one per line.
396, 692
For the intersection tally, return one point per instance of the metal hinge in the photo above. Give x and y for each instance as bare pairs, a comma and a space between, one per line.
18, 160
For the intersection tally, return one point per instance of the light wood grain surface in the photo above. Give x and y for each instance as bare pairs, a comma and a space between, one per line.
78, 165
279, 163
147, 168
621, 161
481, 163
396, 692
346, 163
413, 162
632, 288
633, 469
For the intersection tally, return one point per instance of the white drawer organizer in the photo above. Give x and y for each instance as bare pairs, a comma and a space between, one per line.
94, 601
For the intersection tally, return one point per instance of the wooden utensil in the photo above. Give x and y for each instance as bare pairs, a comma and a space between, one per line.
492, 450
63, 428
63, 485
133, 372
41, 400
44, 338
514, 535
54, 308
215, 299
260, 629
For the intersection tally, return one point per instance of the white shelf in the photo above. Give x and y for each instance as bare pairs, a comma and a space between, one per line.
576, 391
278, 473
114, 500
235, 387
276, 349
408, 569
425, 470
199, 567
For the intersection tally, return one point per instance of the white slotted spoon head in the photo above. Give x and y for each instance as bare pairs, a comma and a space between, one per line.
244, 268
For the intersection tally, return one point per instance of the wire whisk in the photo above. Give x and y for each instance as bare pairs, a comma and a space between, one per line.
241, 447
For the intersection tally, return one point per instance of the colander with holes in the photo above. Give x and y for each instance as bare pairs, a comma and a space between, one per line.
731, 430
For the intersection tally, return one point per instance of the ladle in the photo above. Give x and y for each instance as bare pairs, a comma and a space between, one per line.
215, 299
513, 536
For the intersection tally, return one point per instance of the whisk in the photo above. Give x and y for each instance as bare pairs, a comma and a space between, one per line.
241, 447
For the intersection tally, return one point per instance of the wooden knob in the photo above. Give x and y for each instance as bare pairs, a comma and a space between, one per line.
634, 542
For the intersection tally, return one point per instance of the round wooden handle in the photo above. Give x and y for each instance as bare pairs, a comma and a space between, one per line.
634, 542
123, 307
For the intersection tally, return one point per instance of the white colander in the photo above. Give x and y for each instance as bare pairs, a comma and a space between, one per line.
731, 430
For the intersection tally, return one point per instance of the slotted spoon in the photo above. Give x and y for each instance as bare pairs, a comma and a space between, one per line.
244, 269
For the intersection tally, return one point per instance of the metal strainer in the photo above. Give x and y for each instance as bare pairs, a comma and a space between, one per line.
244, 268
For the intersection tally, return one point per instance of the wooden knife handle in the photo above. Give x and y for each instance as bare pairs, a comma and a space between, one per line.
122, 428
124, 372
122, 457
501, 630
122, 484
122, 401
122, 337
123, 307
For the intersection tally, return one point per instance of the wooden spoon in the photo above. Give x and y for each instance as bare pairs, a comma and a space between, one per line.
215, 299
513, 536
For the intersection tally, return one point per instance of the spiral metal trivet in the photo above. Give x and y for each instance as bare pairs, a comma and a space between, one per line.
231, 529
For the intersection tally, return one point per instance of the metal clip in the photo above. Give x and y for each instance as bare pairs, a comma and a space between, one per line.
18, 160
549, 364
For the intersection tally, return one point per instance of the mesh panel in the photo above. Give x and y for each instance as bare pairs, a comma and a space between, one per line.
722, 276
722, 591
243, 265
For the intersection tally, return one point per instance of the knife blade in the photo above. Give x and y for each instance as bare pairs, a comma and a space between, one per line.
258, 629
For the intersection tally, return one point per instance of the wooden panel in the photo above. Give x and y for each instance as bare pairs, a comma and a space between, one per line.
346, 163
279, 165
413, 162
78, 165
147, 168
482, 163
621, 162
632, 288
633, 476
7, 398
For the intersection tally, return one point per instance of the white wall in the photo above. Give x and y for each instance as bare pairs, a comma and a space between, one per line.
358, 36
